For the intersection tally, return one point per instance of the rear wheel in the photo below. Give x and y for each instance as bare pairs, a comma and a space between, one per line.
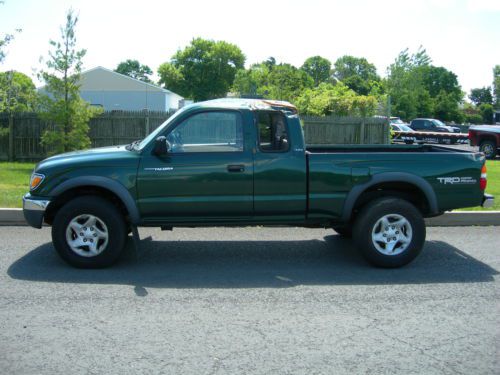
89, 232
389, 232
489, 149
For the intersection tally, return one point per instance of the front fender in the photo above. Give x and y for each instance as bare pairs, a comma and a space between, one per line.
106, 183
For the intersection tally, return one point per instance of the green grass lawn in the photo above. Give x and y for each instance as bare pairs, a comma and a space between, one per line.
14, 181
493, 186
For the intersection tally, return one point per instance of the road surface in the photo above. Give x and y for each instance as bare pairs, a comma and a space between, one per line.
253, 301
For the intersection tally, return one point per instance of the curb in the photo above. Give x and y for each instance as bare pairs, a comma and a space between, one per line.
14, 216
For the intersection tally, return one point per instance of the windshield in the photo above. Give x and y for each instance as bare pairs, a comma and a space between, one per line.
438, 123
405, 128
158, 130
396, 120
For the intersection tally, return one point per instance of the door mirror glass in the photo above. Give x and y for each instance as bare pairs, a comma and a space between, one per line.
161, 146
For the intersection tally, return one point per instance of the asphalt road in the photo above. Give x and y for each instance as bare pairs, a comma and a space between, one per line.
251, 300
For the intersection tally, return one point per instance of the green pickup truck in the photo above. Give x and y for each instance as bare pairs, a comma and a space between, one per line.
238, 162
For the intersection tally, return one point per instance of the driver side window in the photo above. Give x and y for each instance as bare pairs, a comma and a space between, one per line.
214, 131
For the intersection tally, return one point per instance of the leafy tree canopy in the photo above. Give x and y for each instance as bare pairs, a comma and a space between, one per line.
318, 68
419, 89
135, 69
276, 81
327, 99
356, 73
203, 70
481, 95
17, 92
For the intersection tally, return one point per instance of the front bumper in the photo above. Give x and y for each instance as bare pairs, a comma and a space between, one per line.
488, 201
34, 209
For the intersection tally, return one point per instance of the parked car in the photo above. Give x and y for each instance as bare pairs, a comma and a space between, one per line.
432, 125
487, 137
397, 121
238, 162
402, 128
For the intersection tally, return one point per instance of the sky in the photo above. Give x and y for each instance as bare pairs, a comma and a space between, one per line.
461, 35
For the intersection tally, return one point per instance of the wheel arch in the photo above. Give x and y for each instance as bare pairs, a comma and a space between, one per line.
98, 185
488, 137
392, 184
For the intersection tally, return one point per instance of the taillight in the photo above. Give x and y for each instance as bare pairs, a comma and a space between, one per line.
483, 180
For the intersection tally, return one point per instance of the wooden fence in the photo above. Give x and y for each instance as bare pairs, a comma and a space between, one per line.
20, 136
345, 130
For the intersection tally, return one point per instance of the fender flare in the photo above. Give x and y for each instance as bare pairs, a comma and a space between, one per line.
376, 179
107, 183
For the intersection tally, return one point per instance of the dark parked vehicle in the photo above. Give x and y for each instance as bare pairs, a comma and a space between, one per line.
432, 125
487, 137
244, 162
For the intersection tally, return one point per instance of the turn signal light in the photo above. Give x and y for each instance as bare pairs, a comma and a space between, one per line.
36, 179
483, 180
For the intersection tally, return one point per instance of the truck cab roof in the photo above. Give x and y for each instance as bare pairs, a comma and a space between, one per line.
250, 104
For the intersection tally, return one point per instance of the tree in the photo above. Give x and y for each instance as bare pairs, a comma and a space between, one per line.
486, 111
280, 81
481, 95
318, 68
327, 99
356, 73
61, 103
17, 92
419, 89
134, 69
496, 85
203, 70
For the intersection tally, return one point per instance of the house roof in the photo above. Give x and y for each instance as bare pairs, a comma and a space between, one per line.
103, 79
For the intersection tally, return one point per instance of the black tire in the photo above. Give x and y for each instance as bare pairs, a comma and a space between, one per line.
489, 149
108, 214
344, 231
366, 223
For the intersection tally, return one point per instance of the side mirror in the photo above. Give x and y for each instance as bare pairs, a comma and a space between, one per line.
161, 146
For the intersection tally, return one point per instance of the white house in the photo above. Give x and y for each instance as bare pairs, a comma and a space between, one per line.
114, 91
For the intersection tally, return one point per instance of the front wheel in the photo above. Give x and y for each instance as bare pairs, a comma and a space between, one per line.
89, 232
389, 232
489, 149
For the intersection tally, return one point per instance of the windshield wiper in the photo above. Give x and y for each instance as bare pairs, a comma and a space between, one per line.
133, 145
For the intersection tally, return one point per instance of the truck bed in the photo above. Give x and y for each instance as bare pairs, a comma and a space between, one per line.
319, 149
334, 171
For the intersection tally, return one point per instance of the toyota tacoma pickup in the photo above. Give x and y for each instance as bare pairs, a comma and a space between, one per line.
236, 162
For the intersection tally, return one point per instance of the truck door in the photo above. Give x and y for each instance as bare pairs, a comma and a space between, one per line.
280, 185
207, 173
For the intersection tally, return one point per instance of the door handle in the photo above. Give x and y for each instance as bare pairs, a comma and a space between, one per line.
236, 168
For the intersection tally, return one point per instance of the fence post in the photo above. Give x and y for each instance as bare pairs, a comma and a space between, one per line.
146, 124
388, 131
11, 137
362, 132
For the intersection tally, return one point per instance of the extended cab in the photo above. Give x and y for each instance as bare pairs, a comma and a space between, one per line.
238, 162
487, 137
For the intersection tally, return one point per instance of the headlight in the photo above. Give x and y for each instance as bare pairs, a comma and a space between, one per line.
36, 180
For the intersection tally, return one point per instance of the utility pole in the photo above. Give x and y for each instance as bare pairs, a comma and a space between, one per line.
11, 116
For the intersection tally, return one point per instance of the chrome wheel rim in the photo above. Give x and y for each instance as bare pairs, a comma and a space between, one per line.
87, 235
488, 149
392, 234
